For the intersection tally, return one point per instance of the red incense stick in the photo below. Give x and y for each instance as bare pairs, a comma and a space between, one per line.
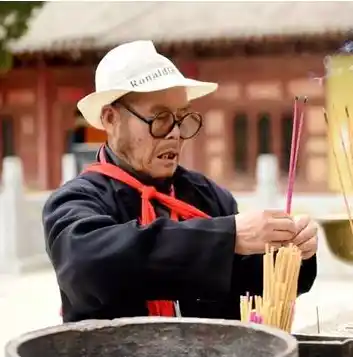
298, 121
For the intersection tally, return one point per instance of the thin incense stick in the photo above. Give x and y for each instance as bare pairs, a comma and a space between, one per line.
299, 135
349, 151
292, 155
298, 121
345, 149
294, 130
350, 130
338, 169
317, 320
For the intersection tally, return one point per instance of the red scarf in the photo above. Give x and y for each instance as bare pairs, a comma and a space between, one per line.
178, 209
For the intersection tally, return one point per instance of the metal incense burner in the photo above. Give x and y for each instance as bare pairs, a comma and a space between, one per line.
155, 337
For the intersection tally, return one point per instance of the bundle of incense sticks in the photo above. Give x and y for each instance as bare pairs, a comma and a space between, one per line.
281, 270
276, 306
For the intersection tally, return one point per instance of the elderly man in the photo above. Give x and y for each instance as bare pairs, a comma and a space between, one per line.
136, 234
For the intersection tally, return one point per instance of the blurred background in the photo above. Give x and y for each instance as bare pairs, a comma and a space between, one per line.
262, 54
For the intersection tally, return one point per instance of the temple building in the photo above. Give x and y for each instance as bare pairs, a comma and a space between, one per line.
262, 55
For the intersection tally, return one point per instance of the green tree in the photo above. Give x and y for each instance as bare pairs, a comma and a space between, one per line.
14, 18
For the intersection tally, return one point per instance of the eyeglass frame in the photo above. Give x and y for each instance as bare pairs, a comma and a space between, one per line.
149, 121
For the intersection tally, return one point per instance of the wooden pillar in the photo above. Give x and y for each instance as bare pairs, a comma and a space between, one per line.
43, 117
215, 143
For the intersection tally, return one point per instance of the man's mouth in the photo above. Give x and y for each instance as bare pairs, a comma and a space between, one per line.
170, 155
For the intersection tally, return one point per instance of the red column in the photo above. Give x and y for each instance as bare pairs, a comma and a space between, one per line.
189, 69
43, 125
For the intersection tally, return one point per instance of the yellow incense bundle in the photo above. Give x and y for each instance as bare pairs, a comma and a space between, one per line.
280, 285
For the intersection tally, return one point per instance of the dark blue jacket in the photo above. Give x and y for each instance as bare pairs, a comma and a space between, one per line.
108, 266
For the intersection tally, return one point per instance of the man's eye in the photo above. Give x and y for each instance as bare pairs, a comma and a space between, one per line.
164, 116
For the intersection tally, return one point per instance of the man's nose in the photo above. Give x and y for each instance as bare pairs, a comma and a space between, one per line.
175, 133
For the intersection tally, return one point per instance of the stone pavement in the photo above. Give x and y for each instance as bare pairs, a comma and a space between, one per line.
32, 301
332, 300
28, 302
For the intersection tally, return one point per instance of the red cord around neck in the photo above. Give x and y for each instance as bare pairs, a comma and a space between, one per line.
177, 208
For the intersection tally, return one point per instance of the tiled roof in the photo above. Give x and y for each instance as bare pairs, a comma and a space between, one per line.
67, 25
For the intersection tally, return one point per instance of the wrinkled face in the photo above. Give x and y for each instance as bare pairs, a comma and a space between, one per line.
130, 138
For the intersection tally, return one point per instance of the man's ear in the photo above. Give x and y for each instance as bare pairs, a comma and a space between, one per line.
109, 117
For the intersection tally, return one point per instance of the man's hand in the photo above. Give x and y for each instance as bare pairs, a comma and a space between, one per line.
254, 230
306, 236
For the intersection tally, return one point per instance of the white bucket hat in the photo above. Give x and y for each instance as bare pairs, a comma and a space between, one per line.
135, 67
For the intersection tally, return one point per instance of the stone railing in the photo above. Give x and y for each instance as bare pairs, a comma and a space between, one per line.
22, 245
21, 235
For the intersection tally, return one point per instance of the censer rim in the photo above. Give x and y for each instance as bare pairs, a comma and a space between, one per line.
13, 345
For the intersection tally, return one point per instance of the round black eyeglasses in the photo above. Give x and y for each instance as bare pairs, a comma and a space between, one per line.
164, 122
